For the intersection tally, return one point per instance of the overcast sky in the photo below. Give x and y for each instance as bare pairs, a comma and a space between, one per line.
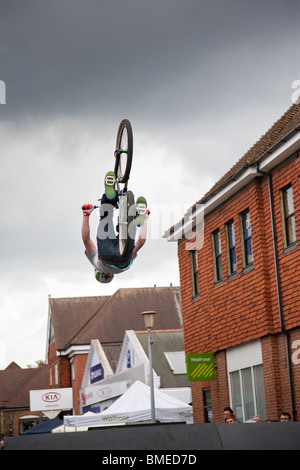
200, 81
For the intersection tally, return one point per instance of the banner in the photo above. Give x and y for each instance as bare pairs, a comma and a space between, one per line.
200, 367
52, 399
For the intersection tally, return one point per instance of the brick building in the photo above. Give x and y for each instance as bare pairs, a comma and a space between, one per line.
15, 384
240, 282
74, 322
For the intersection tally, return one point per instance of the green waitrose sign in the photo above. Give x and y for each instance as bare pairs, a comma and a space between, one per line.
200, 367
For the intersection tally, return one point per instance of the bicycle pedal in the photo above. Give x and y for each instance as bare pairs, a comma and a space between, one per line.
110, 180
141, 208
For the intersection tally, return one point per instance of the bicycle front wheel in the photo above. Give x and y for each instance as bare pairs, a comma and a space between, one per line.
126, 217
124, 149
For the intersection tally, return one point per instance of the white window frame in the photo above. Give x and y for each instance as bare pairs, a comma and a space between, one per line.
241, 357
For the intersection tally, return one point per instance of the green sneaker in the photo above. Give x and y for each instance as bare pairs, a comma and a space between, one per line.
141, 211
109, 184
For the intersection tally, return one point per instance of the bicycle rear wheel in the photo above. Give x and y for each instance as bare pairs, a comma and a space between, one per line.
126, 217
124, 149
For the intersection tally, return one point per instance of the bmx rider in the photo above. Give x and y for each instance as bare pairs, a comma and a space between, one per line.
105, 257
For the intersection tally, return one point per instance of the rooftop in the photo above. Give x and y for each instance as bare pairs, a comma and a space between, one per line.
284, 129
17, 382
76, 321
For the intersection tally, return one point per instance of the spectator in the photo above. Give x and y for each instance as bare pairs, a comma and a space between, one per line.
227, 410
230, 418
257, 419
285, 417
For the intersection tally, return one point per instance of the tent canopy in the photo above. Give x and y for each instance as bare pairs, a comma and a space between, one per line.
134, 406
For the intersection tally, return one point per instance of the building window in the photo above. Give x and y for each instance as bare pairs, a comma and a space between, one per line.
231, 251
208, 417
51, 331
194, 272
288, 218
217, 256
247, 238
25, 424
247, 393
56, 374
72, 370
246, 380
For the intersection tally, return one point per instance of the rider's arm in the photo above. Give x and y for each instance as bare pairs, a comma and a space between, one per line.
141, 239
85, 232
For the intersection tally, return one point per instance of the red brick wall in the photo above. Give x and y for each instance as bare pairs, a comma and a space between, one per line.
295, 352
245, 306
289, 261
64, 370
79, 366
219, 392
275, 375
65, 379
239, 308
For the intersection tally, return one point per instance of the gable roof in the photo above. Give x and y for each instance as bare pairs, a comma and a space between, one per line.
96, 355
165, 342
280, 131
69, 315
78, 321
17, 382
283, 130
12, 378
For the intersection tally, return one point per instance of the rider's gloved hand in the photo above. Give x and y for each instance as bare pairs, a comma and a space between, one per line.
87, 209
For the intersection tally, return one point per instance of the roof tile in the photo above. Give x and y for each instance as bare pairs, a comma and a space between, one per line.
78, 321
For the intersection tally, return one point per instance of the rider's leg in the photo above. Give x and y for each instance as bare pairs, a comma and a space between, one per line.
106, 224
141, 209
107, 242
109, 184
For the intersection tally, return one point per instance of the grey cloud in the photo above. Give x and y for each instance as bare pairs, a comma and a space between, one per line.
151, 57
200, 80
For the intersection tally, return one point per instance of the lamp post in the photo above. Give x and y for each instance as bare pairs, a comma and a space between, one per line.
149, 320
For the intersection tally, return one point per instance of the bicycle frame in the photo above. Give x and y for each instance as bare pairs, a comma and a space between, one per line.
118, 187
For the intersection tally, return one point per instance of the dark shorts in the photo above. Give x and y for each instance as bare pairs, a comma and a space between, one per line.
109, 253
108, 241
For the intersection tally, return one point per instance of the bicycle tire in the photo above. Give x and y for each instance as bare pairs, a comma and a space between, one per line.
124, 149
126, 217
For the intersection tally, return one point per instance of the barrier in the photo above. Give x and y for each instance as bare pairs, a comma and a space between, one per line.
175, 437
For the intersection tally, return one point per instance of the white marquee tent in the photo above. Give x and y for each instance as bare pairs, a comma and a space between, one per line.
134, 406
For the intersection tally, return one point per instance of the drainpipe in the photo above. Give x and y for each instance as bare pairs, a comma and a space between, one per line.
278, 286
279, 296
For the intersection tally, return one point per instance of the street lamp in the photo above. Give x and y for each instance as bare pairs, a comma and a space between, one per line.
149, 320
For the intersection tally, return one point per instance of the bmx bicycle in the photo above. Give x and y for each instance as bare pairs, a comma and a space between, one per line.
125, 198
126, 204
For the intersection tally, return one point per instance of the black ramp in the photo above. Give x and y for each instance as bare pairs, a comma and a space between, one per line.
146, 437
171, 437
260, 436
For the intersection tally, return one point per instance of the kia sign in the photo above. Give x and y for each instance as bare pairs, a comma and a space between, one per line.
52, 399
